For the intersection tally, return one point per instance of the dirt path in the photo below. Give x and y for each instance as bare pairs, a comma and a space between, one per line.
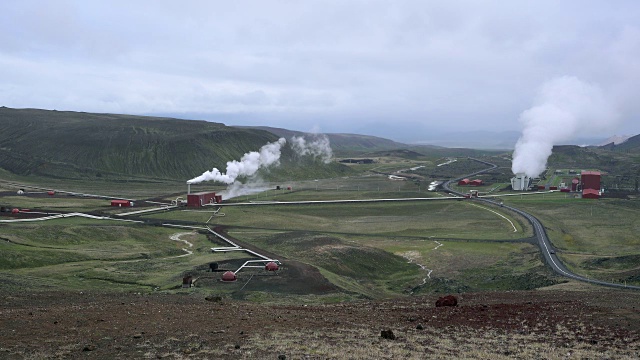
497, 213
177, 237
413, 256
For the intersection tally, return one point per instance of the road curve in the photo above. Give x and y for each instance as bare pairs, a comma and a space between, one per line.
548, 252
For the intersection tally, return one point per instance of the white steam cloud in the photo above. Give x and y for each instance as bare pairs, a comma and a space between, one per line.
268, 155
564, 108
318, 147
250, 163
239, 189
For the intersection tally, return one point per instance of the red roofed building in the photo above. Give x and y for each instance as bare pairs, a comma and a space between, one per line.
476, 182
464, 182
121, 203
590, 194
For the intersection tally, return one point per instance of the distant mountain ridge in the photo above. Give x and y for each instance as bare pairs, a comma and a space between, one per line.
355, 145
340, 143
66, 144
631, 144
614, 140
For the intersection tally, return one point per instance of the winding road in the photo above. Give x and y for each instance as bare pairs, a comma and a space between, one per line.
548, 252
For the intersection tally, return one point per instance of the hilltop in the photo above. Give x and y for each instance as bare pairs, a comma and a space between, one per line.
345, 145
630, 145
66, 144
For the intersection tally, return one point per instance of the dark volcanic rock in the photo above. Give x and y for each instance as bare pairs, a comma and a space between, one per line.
448, 300
387, 334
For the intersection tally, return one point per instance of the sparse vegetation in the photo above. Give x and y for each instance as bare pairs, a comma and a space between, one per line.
395, 255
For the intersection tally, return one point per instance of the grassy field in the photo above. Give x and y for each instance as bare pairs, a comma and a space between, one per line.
56, 202
596, 238
442, 219
366, 249
89, 254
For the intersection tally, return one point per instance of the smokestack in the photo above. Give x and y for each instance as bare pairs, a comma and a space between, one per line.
188, 188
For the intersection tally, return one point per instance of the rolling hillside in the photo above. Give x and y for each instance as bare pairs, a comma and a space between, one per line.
64, 144
631, 145
341, 144
347, 145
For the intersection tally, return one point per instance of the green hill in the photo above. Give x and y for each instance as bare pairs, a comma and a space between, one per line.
342, 144
632, 145
356, 145
64, 144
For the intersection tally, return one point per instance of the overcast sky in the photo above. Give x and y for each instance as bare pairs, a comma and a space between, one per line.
399, 69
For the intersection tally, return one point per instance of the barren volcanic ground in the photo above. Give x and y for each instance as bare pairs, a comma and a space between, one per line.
592, 323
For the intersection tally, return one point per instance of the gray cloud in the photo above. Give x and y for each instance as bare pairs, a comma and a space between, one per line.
341, 65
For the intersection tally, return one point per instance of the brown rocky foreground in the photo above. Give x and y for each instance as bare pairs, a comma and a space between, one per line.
561, 323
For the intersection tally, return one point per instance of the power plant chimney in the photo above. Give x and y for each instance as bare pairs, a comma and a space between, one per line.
188, 188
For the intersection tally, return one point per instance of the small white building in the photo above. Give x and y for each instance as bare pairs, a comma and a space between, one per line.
520, 182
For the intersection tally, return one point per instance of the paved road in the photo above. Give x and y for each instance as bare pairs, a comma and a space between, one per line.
548, 252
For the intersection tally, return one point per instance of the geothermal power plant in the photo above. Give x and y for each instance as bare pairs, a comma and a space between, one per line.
588, 184
201, 199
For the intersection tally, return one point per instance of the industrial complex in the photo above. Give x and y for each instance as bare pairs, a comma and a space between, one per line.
587, 185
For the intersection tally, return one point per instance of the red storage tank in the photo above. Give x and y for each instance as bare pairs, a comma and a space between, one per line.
574, 184
271, 266
229, 276
15, 211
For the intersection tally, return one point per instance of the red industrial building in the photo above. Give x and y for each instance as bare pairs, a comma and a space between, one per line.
464, 182
590, 180
590, 194
203, 198
590, 184
121, 203
476, 182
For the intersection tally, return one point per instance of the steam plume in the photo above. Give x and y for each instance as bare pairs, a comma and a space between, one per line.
564, 108
250, 163
318, 147
239, 189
